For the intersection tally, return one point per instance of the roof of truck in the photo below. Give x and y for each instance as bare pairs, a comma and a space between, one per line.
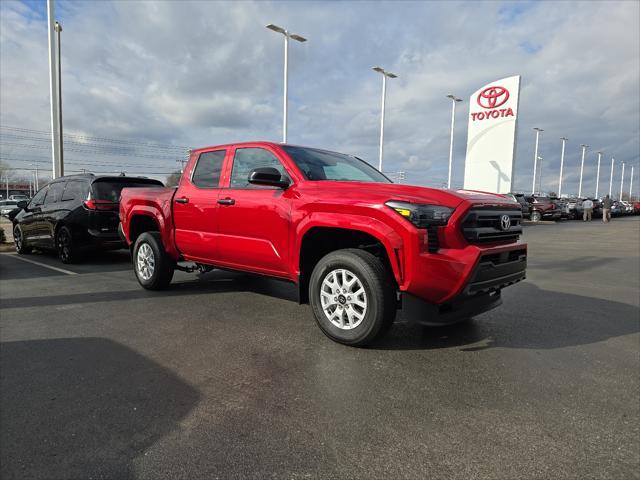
226, 145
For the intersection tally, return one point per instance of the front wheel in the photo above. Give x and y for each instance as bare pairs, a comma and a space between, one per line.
153, 267
352, 296
18, 239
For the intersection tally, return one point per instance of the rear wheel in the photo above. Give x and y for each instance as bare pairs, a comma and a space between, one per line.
64, 246
352, 296
536, 216
18, 239
153, 267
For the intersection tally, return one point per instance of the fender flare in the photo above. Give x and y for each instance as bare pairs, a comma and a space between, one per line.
165, 230
386, 235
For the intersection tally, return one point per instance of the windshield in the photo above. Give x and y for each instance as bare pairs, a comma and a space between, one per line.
323, 165
110, 189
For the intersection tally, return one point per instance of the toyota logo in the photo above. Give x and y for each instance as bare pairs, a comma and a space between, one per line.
492, 97
505, 222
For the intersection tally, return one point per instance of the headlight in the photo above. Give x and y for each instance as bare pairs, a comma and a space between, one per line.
422, 216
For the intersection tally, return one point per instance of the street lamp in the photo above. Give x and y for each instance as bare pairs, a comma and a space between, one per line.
385, 74
287, 36
535, 159
564, 140
631, 184
611, 178
454, 100
58, 28
621, 181
584, 149
54, 30
598, 174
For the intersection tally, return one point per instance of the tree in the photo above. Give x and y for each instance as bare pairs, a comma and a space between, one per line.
173, 179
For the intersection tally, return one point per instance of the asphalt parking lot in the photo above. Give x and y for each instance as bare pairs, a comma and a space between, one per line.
226, 376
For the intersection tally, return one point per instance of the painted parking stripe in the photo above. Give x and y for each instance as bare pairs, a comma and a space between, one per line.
44, 265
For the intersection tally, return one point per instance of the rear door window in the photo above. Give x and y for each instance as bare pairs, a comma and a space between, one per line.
55, 193
75, 190
208, 169
109, 189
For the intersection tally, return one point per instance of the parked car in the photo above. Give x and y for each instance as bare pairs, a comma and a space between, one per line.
636, 208
628, 208
572, 204
6, 206
562, 205
525, 207
18, 197
542, 208
617, 209
72, 214
358, 246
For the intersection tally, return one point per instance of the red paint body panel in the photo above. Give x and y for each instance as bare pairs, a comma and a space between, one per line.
264, 229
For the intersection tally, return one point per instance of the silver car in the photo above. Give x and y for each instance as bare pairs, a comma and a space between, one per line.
6, 206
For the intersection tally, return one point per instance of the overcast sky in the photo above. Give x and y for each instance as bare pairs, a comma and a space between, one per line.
205, 73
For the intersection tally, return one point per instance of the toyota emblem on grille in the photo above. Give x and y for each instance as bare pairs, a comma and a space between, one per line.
505, 222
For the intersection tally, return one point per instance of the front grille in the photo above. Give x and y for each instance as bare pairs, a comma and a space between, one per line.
484, 225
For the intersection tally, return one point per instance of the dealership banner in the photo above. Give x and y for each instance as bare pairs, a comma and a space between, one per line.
491, 141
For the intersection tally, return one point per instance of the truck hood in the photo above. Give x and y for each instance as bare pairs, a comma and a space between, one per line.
383, 192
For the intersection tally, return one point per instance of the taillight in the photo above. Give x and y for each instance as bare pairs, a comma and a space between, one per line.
100, 205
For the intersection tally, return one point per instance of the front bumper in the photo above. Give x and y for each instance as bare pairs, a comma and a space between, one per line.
482, 293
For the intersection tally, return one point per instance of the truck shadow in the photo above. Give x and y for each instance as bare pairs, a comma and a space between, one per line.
529, 318
83, 408
215, 282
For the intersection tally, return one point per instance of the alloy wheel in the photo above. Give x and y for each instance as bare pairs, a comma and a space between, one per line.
145, 262
343, 299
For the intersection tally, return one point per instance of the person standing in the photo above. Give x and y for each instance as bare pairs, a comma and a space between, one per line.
587, 209
606, 209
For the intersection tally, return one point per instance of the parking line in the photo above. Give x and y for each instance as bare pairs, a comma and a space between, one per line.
61, 270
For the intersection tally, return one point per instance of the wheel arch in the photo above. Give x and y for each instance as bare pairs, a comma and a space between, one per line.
318, 240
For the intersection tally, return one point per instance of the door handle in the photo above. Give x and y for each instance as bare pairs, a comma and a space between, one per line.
226, 201
182, 200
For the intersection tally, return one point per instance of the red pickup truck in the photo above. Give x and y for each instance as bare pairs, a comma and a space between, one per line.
359, 247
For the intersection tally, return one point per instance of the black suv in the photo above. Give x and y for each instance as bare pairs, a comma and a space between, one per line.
73, 213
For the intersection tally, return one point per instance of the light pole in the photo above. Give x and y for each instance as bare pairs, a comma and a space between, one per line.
564, 140
287, 36
631, 184
54, 91
598, 174
611, 178
58, 28
385, 74
584, 149
540, 177
454, 100
535, 159
621, 181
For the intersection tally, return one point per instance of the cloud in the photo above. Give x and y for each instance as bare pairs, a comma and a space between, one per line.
201, 73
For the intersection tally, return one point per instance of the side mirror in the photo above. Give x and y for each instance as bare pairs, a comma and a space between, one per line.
22, 204
267, 176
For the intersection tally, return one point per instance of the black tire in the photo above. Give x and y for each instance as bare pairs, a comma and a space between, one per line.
65, 248
160, 274
380, 297
18, 240
536, 216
